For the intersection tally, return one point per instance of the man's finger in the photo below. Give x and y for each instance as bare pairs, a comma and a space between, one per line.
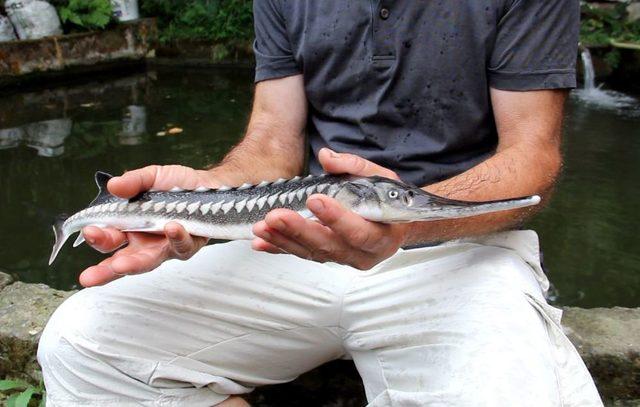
344, 163
182, 244
131, 183
137, 262
355, 230
104, 240
261, 245
288, 245
293, 231
99, 274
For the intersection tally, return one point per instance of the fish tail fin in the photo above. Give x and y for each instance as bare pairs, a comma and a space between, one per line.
102, 178
61, 237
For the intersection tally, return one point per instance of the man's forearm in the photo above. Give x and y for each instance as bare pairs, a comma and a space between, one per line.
273, 145
260, 156
527, 162
505, 175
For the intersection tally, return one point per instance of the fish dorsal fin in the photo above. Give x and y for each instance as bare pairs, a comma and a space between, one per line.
102, 178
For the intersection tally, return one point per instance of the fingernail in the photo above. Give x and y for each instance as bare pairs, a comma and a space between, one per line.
172, 233
280, 225
265, 235
90, 240
316, 205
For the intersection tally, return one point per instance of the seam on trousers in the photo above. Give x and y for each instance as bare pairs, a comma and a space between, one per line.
547, 327
189, 355
343, 297
160, 397
89, 355
382, 373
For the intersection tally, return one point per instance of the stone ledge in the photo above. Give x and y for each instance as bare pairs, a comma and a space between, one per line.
607, 338
29, 60
24, 311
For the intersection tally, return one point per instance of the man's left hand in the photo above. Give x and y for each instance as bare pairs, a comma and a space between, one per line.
340, 236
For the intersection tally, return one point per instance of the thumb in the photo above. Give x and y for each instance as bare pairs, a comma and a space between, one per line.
131, 183
345, 163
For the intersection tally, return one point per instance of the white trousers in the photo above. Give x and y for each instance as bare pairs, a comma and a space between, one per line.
464, 323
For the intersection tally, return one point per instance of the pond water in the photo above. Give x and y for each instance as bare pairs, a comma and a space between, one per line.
51, 143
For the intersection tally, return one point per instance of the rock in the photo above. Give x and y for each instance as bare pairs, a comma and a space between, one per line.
24, 311
609, 341
634, 11
5, 280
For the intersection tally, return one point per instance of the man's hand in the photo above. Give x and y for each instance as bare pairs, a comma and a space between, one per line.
144, 251
341, 236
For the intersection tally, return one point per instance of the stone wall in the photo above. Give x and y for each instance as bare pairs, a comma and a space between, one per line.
22, 61
607, 339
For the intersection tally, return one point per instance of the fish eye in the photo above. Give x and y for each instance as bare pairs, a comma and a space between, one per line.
393, 194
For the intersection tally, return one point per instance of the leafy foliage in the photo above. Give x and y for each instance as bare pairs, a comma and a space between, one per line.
86, 14
22, 394
601, 25
215, 20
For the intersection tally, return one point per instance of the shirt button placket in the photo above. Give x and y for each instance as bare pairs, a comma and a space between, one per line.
383, 50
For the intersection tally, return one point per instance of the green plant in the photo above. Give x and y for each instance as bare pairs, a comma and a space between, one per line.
601, 25
86, 14
22, 394
214, 20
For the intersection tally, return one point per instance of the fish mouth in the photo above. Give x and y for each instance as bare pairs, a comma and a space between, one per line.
426, 206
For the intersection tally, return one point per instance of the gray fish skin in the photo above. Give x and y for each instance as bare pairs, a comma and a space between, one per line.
230, 213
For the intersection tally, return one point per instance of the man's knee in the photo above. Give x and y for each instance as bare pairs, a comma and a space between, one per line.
77, 340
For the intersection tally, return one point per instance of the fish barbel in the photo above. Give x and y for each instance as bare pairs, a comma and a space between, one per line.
229, 213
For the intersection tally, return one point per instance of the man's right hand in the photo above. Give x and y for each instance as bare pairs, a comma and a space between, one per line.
144, 252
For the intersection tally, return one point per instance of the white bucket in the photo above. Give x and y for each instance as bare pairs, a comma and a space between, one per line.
6, 30
33, 19
125, 10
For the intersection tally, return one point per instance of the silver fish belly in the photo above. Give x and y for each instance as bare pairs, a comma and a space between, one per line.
230, 213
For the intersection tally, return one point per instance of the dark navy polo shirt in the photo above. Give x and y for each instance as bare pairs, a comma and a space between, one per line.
405, 83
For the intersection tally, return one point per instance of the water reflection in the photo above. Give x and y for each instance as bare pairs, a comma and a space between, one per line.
52, 141
60, 111
134, 125
46, 137
10, 138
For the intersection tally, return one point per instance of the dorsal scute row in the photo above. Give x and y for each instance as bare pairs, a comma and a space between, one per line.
246, 186
177, 205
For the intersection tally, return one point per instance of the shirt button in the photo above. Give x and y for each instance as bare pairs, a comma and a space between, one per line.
384, 13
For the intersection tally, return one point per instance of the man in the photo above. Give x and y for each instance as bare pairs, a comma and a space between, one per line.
465, 98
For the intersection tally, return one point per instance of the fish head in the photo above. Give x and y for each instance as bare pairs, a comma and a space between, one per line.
379, 199
385, 200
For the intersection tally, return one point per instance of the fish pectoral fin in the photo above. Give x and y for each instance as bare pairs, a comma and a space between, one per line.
79, 240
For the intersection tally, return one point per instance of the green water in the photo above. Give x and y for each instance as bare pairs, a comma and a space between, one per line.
589, 233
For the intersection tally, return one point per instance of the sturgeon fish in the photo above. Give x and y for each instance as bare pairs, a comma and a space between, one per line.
229, 213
